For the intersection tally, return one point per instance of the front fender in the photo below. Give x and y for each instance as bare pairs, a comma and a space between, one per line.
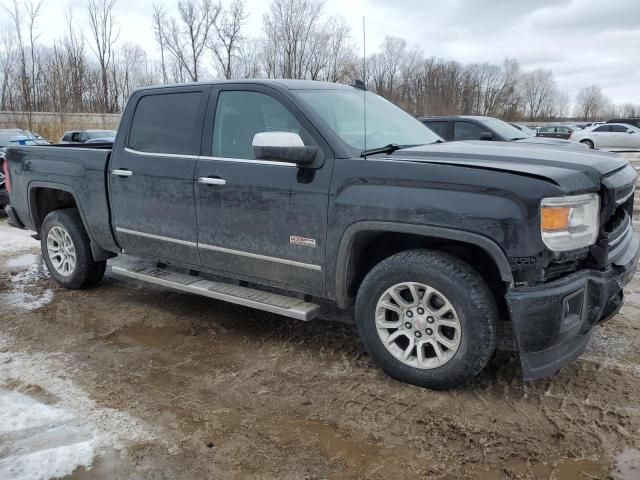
346, 248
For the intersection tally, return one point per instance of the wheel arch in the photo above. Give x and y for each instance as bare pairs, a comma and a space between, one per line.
349, 263
46, 197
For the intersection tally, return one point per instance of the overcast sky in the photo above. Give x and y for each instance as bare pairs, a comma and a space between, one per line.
584, 42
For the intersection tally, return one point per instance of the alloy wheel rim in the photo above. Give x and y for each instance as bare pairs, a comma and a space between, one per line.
418, 325
62, 252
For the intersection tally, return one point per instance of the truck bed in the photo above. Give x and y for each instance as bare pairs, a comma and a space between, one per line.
81, 171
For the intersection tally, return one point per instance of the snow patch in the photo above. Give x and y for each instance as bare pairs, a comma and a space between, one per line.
14, 240
20, 296
52, 439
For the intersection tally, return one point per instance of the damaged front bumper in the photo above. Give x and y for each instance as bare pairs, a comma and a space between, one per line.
553, 322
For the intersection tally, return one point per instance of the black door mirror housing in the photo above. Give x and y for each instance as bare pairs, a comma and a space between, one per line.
283, 147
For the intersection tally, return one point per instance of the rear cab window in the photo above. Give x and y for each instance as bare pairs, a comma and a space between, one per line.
167, 123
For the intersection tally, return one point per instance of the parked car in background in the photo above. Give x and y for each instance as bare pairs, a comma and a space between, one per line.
4, 195
11, 137
628, 121
610, 136
83, 136
531, 132
594, 124
109, 140
558, 131
453, 128
38, 139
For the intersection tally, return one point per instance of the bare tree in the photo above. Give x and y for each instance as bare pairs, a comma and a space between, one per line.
538, 89
186, 37
591, 103
290, 27
158, 30
226, 44
8, 56
105, 34
25, 84
341, 59
250, 59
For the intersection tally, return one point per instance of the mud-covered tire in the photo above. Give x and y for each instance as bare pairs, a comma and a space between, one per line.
464, 289
588, 143
86, 272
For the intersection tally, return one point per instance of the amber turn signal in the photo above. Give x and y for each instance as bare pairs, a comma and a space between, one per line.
555, 218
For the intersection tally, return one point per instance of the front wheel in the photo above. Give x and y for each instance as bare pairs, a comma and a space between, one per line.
588, 143
427, 318
67, 251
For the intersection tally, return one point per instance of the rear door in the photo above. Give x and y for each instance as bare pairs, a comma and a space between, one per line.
259, 219
467, 131
441, 128
602, 136
545, 131
563, 132
620, 137
151, 174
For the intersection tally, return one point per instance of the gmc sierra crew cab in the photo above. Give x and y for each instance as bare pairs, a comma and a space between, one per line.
279, 196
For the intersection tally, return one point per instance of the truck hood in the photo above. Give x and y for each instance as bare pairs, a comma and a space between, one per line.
572, 169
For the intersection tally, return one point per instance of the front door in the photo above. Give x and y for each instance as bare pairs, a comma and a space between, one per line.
258, 219
151, 175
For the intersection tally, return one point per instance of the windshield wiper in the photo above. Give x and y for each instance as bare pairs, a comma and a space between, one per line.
390, 148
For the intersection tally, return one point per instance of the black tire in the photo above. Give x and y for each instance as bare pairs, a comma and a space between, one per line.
465, 290
86, 272
588, 143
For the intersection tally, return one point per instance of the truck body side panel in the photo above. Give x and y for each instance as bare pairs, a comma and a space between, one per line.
79, 171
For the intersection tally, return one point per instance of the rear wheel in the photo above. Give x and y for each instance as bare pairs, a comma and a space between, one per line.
67, 252
427, 318
588, 143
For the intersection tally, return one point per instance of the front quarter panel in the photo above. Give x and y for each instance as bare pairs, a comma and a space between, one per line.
451, 197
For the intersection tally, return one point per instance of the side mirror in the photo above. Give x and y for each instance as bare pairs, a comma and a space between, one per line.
282, 147
631, 131
486, 136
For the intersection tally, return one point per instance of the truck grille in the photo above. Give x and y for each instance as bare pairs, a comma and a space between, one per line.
616, 213
623, 193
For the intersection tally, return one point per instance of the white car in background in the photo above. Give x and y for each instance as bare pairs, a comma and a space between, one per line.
610, 136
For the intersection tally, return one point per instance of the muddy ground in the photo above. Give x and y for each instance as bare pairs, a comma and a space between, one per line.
133, 381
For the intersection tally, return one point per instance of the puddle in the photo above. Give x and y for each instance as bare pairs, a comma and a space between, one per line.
25, 301
23, 294
23, 260
632, 297
628, 465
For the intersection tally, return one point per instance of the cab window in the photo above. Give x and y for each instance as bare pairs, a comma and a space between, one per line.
167, 123
242, 114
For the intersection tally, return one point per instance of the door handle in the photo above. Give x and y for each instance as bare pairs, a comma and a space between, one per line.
212, 181
121, 172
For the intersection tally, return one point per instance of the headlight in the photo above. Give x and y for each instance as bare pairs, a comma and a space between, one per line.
569, 223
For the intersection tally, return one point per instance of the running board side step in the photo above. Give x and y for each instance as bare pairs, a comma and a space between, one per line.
248, 297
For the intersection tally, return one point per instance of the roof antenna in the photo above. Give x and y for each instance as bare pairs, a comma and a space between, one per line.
364, 79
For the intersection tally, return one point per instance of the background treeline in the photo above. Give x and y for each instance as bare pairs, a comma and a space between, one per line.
89, 69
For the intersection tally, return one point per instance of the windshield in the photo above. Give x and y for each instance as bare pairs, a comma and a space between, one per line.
506, 131
343, 110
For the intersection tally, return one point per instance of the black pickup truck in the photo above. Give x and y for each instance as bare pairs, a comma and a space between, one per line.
276, 195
